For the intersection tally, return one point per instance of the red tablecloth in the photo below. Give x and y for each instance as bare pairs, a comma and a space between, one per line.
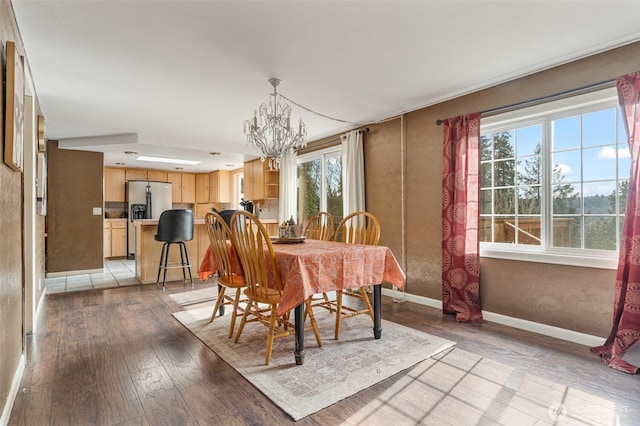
322, 266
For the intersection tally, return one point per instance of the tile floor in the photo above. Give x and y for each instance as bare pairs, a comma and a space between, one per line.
117, 273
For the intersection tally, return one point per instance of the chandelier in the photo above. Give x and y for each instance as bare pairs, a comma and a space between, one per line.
270, 132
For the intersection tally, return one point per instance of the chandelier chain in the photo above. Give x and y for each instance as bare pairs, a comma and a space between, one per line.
336, 119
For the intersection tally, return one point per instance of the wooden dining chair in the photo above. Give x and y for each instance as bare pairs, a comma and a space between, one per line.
258, 260
320, 226
357, 228
219, 234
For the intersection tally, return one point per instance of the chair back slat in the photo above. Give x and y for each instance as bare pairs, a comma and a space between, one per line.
320, 226
358, 228
251, 238
219, 233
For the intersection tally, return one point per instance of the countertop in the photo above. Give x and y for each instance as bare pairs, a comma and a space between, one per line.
154, 222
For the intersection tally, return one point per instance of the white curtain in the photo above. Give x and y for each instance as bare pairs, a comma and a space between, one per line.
288, 187
352, 172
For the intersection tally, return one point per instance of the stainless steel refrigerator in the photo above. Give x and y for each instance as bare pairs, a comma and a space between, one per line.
145, 200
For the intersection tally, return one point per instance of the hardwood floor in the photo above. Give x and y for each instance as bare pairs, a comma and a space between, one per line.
118, 357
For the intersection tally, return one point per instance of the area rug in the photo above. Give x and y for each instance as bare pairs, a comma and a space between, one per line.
330, 373
194, 297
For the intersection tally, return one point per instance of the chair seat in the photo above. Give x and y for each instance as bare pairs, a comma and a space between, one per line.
272, 296
235, 281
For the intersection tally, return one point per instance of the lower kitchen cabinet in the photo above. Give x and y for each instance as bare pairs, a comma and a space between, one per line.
115, 238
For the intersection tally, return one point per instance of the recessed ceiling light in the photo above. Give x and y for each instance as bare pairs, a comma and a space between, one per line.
131, 153
166, 160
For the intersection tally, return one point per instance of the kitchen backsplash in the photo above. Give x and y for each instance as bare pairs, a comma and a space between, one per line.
269, 210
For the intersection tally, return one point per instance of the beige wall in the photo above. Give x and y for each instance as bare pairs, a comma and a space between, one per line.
579, 299
11, 268
75, 235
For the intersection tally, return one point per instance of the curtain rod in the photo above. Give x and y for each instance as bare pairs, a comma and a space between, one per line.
573, 92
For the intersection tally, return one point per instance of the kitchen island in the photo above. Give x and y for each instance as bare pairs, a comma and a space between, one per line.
148, 249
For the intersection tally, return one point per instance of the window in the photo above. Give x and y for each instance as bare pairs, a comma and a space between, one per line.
238, 190
554, 180
320, 184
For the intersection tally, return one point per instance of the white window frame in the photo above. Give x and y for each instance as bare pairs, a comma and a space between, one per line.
545, 113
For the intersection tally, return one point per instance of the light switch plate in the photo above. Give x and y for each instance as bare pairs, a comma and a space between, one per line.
97, 211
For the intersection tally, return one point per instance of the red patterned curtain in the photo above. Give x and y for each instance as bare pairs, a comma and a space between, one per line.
626, 308
460, 217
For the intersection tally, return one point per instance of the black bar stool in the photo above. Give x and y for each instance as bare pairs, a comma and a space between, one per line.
175, 226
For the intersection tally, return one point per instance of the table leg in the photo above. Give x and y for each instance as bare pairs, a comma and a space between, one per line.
377, 311
299, 327
221, 308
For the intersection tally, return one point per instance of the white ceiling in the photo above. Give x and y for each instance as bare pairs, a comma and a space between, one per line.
178, 78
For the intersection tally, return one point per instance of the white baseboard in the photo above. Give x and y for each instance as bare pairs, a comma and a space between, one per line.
70, 273
534, 327
13, 392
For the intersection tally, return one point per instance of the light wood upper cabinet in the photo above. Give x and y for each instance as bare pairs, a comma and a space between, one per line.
176, 186
259, 182
202, 188
188, 188
114, 184
220, 186
157, 176
136, 174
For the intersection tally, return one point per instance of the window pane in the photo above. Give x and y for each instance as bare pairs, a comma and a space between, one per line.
530, 170
622, 133
529, 140
485, 178
600, 233
566, 133
309, 175
504, 229
485, 147
599, 163
505, 201
566, 166
333, 172
566, 232
566, 199
485, 229
622, 196
529, 230
599, 128
599, 197
624, 162
529, 200
486, 201
505, 173
503, 145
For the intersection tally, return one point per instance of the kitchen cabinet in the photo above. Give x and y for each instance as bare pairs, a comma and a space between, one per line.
136, 174
182, 187
260, 182
176, 186
114, 180
115, 238
157, 175
188, 188
202, 187
220, 186
106, 241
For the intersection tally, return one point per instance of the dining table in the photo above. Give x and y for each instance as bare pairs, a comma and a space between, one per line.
309, 267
